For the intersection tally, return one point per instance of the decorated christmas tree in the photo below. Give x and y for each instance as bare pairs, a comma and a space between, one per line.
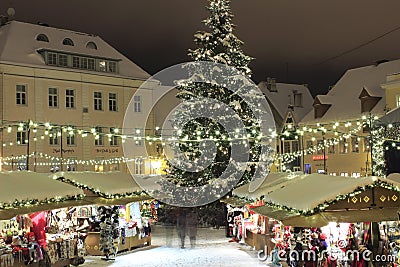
218, 45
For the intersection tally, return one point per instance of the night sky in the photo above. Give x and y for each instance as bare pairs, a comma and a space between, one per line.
294, 41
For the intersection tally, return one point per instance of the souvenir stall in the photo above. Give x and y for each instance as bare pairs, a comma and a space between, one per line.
315, 200
117, 229
257, 229
113, 192
23, 240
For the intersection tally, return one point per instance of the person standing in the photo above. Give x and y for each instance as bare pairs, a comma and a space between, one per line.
181, 226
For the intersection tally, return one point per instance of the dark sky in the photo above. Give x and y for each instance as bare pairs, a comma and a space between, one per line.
290, 40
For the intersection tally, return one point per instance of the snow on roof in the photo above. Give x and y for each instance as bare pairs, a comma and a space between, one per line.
283, 97
18, 45
324, 99
344, 95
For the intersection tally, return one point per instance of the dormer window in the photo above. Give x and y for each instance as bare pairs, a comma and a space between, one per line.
68, 41
368, 101
298, 100
42, 38
91, 45
320, 107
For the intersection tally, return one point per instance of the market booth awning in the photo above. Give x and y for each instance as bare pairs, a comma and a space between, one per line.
105, 188
243, 194
313, 199
24, 192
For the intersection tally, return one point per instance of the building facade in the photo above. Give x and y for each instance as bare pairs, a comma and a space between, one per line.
335, 133
63, 99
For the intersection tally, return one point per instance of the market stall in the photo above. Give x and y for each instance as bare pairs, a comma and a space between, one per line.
22, 242
315, 200
118, 229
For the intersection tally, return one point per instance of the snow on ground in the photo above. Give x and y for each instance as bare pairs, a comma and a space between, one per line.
212, 249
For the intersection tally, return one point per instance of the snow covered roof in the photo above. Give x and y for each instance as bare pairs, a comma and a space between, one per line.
18, 45
391, 117
324, 99
344, 96
29, 187
282, 98
108, 183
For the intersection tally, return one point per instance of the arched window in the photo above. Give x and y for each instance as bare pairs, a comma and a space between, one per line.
68, 41
42, 38
91, 45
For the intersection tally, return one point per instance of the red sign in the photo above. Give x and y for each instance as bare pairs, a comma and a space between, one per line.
319, 157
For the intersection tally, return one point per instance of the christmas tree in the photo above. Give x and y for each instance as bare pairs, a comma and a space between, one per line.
218, 45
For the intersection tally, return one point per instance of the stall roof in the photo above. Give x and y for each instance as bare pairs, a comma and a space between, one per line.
24, 192
391, 117
114, 188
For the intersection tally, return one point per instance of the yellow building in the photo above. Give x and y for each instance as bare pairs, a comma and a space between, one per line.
74, 88
337, 125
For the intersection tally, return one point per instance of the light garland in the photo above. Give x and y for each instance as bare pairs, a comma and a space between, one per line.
35, 202
100, 193
323, 206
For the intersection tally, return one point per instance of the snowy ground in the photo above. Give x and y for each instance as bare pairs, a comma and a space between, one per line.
212, 249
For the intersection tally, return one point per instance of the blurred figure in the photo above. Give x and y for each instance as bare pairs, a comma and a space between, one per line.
191, 223
181, 225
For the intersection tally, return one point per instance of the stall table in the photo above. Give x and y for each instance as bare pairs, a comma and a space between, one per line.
92, 243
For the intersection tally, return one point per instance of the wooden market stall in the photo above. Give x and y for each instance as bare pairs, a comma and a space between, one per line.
25, 192
109, 189
314, 200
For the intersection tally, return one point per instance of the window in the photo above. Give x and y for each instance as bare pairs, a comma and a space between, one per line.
139, 166
99, 167
42, 38
22, 137
71, 164
112, 66
91, 45
21, 94
75, 62
55, 165
354, 145
112, 101
68, 41
295, 146
113, 138
70, 98
22, 164
137, 103
63, 60
71, 138
286, 146
52, 58
53, 97
398, 101
102, 65
91, 65
298, 100
366, 144
114, 167
344, 174
99, 137
331, 147
83, 64
53, 139
343, 146
98, 101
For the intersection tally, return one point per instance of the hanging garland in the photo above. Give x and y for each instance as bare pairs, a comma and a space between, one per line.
321, 207
36, 202
101, 194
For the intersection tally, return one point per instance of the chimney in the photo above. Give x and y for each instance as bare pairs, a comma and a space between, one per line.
271, 84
